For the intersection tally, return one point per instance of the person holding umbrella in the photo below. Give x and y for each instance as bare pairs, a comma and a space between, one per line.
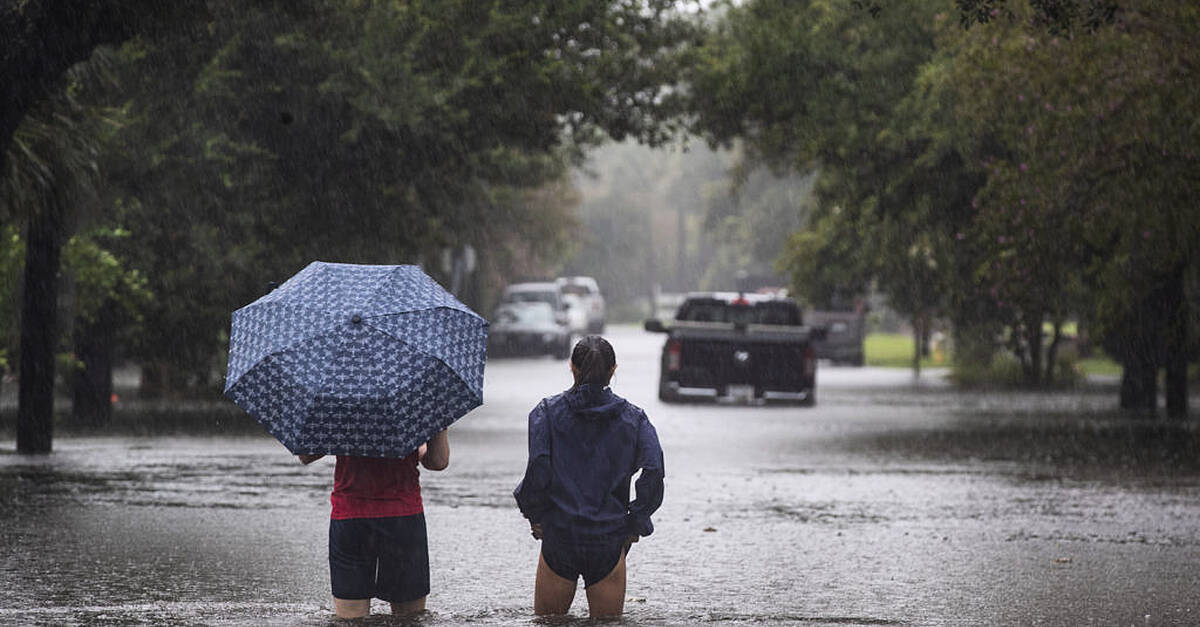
377, 542
370, 363
585, 445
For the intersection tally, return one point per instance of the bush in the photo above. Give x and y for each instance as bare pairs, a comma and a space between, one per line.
1003, 369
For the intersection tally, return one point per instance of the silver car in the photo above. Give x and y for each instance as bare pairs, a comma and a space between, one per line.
586, 292
528, 328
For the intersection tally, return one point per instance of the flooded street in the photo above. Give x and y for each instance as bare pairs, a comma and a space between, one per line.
890, 502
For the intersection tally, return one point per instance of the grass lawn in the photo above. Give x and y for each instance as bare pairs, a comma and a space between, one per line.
1099, 364
895, 350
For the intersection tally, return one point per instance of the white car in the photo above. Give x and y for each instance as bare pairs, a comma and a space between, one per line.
587, 291
576, 314
534, 292
538, 292
528, 328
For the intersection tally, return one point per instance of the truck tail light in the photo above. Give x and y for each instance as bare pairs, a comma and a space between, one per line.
674, 351
810, 362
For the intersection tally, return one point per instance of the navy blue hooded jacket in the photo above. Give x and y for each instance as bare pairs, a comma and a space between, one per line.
584, 447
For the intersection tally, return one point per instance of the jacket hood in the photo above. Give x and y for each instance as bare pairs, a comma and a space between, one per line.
594, 401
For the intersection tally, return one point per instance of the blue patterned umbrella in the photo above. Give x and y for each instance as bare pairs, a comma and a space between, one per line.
363, 360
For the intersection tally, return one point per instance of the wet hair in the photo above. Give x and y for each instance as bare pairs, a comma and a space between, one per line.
593, 359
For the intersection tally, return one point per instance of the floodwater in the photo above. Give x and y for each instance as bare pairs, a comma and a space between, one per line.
892, 502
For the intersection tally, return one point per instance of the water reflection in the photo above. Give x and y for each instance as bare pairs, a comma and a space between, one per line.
888, 503
1097, 446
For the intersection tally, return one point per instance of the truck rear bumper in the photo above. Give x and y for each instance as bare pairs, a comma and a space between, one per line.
704, 393
787, 396
692, 393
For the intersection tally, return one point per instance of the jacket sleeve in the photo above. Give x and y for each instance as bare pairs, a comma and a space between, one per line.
533, 492
649, 485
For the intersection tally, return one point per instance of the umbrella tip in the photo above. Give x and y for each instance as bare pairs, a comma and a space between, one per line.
356, 319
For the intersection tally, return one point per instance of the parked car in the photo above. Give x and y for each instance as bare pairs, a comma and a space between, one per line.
528, 328
538, 292
664, 304
587, 291
728, 345
576, 314
845, 333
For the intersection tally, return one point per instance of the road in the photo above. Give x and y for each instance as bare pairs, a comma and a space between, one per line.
893, 501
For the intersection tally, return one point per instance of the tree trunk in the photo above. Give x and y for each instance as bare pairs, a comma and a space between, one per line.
1033, 339
92, 386
1150, 385
163, 381
1018, 343
1177, 345
1052, 353
154, 380
39, 308
1177, 384
1139, 384
918, 333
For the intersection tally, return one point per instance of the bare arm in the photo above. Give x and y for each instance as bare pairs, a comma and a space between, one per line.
308, 459
437, 452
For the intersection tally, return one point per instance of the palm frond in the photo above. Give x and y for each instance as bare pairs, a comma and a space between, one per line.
53, 159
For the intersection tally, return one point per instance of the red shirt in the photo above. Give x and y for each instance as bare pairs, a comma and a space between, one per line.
368, 487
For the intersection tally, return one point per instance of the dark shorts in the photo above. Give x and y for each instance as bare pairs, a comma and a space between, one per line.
592, 560
382, 558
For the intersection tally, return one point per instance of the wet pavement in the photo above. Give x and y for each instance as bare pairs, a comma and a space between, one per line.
892, 502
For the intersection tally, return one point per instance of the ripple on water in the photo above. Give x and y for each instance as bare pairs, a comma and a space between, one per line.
170, 613
310, 614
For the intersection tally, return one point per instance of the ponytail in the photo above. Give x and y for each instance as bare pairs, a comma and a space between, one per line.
594, 360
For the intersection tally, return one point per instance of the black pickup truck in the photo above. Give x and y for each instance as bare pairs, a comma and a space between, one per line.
737, 346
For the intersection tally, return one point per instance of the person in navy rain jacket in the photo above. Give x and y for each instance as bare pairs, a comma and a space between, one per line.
585, 445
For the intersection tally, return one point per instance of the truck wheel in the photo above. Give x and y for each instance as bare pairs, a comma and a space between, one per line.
666, 395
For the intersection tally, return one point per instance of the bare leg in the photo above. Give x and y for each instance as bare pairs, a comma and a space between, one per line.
553, 594
351, 608
606, 598
409, 608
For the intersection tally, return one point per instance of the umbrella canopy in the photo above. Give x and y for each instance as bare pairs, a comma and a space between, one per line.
365, 360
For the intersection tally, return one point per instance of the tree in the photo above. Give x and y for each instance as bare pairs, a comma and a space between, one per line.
106, 299
380, 132
12, 252
1090, 174
1017, 173
749, 221
49, 170
273, 133
821, 87
1054, 16
629, 223
682, 218
45, 38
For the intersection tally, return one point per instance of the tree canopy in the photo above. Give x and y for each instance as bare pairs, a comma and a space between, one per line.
1011, 175
259, 137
